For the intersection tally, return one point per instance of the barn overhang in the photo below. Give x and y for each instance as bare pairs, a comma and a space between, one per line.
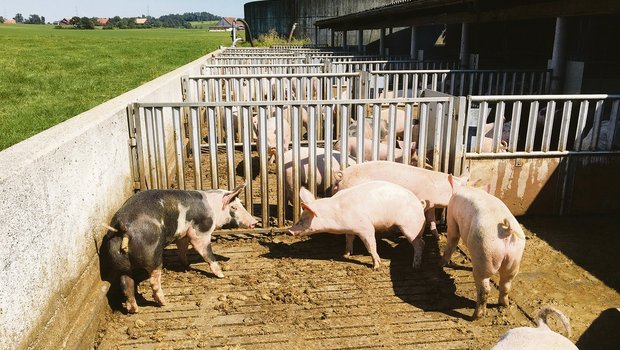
429, 12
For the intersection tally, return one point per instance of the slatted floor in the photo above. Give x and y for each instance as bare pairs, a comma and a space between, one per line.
286, 293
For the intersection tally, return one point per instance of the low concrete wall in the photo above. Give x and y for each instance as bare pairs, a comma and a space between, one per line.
56, 189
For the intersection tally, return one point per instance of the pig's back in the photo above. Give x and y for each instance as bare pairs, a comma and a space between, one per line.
425, 184
382, 202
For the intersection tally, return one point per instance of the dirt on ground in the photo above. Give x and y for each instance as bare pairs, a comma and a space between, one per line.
283, 292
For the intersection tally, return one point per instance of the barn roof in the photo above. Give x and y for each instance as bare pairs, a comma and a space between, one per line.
406, 13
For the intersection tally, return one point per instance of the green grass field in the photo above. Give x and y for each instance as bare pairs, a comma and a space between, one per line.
50, 75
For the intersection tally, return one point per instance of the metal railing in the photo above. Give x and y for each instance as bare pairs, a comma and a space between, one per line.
343, 66
289, 68
201, 162
542, 125
459, 82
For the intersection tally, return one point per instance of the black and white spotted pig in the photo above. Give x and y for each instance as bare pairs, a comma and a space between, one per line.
150, 220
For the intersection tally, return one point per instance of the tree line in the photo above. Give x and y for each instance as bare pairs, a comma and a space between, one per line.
165, 21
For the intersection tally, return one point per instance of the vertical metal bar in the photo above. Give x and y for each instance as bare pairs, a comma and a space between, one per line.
376, 137
447, 135
247, 157
461, 134
212, 117
407, 134
437, 136
422, 133
344, 136
139, 128
484, 107
329, 141
498, 125
361, 124
263, 158
178, 147
230, 147
151, 147
296, 162
566, 116
392, 131
280, 164
531, 127
581, 123
613, 119
161, 148
548, 127
312, 152
514, 126
195, 129
596, 127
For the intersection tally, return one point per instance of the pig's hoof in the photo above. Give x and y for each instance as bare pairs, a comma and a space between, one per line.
503, 302
160, 299
478, 314
131, 308
219, 274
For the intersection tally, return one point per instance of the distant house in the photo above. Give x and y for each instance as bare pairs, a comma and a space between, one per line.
225, 24
9, 21
65, 21
140, 21
102, 21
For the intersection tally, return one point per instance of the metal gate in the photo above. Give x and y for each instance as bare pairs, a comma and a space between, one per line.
173, 151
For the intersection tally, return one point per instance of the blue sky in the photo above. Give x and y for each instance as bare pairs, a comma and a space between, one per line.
58, 9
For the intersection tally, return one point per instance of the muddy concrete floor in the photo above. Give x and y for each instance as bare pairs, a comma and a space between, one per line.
283, 292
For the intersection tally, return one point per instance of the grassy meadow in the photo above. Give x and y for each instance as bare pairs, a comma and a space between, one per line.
49, 75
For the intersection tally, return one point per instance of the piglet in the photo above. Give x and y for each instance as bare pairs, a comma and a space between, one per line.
541, 337
150, 220
359, 211
492, 235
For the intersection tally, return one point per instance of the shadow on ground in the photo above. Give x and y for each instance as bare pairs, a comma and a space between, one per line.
591, 242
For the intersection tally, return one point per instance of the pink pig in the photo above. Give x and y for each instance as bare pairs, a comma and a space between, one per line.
359, 211
428, 185
383, 150
492, 235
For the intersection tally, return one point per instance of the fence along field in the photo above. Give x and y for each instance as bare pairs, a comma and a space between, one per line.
50, 75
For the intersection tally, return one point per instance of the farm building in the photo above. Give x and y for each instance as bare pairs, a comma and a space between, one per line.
226, 24
102, 21
398, 95
9, 21
140, 21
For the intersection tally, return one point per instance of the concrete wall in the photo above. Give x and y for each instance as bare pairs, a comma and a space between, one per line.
56, 189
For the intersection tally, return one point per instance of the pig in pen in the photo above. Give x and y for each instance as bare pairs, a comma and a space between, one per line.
197, 162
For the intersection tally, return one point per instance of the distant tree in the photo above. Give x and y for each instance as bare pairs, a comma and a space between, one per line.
34, 19
42, 19
75, 21
86, 23
1, 19
19, 18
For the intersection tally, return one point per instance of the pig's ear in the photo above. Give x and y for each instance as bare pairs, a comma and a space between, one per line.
231, 196
306, 196
487, 188
307, 208
451, 181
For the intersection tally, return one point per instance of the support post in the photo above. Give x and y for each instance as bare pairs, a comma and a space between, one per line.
344, 40
558, 58
412, 47
360, 40
382, 42
333, 38
464, 53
